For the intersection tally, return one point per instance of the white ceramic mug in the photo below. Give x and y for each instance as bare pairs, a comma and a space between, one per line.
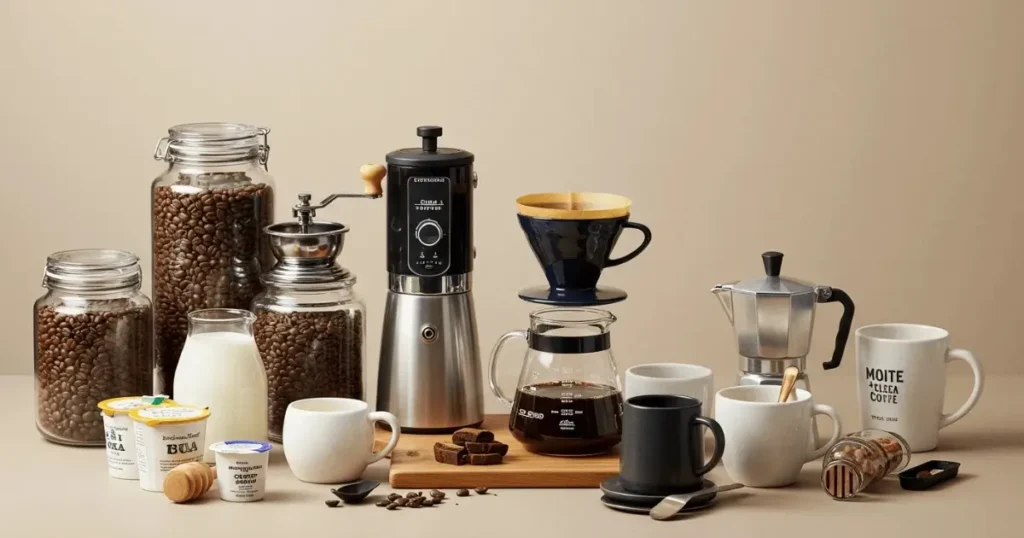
673, 379
330, 440
901, 381
766, 441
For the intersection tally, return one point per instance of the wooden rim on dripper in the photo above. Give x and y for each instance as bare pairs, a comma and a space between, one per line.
573, 205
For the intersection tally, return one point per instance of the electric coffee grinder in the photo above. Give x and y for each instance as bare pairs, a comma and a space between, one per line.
429, 373
773, 318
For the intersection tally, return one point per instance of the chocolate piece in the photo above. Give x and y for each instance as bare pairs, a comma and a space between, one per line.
450, 454
466, 435
484, 459
495, 447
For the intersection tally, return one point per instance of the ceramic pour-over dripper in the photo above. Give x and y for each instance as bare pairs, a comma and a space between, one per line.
572, 234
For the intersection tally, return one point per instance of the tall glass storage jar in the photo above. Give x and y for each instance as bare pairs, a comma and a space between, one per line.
92, 340
208, 209
309, 321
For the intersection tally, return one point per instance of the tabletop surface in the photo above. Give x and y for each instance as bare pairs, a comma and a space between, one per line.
52, 490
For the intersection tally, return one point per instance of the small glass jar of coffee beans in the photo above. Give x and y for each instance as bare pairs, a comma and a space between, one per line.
208, 209
309, 322
93, 341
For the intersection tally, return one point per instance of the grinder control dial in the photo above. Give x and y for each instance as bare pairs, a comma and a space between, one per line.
428, 232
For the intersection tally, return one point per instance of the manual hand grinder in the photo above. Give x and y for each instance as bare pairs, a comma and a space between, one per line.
429, 374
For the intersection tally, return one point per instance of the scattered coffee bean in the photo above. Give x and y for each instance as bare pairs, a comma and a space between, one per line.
393, 496
437, 494
308, 355
462, 492
416, 502
480, 490
332, 503
85, 355
207, 253
393, 506
411, 495
427, 503
401, 501
382, 503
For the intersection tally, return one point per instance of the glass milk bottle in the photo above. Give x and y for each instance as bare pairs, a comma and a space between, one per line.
221, 368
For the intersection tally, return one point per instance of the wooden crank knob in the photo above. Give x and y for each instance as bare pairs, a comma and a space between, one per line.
373, 174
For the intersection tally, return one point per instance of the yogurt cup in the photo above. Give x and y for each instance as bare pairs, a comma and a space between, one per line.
119, 432
166, 437
241, 469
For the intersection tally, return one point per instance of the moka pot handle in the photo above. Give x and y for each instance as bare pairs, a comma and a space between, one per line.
832, 295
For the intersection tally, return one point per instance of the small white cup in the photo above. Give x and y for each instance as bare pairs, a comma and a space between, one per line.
330, 440
241, 469
673, 379
766, 440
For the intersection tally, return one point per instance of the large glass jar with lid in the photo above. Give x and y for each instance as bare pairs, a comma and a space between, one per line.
92, 340
309, 322
208, 208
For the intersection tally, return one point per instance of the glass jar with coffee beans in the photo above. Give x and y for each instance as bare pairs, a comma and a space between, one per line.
309, 322
209, 208
92, 341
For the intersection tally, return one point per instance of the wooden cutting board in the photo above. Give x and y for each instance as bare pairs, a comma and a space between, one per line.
413, 465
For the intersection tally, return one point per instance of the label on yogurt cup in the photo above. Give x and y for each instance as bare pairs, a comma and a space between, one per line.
240, 447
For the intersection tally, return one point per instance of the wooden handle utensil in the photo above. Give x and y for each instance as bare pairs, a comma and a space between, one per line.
788, 382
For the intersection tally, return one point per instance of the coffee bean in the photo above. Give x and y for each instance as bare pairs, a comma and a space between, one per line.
401, 501
480, 490
394, 496
87, 355
382, 503
462, 492
411, 495
332, 503
308, 355
437, 494
194, 268
427, 503
393, 506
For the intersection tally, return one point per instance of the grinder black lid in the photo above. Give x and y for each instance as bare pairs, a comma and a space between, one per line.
429, 155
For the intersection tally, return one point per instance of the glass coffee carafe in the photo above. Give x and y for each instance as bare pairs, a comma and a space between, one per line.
568, 400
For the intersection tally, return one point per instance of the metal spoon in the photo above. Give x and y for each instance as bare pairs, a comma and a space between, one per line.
788, 382
671, 505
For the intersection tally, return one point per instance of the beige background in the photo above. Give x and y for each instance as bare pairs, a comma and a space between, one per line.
878, 144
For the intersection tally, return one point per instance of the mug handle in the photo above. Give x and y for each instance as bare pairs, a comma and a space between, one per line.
716, 430
979, 384
837, 429
494, 363
647, 241
396, 430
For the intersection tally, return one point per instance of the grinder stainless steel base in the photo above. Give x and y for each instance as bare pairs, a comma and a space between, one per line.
429, 372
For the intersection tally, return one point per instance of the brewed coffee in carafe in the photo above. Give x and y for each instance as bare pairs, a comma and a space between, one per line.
568, 400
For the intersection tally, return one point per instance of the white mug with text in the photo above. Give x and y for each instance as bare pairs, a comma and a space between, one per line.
901, 381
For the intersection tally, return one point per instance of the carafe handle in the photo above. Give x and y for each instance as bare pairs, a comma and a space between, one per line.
831, 295
494, 363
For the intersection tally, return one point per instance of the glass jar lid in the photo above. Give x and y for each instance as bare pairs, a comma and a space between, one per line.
213, 143
92, 270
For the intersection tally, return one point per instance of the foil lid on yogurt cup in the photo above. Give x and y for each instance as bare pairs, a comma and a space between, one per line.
155, 416
240, 447
125, 404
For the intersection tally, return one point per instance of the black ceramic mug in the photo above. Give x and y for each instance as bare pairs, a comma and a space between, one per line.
573, 234
662, 451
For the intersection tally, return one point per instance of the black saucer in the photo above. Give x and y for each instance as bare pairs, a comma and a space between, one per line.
617, 494
601, 295
634, 508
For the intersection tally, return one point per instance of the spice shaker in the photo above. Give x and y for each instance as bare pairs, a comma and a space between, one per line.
92, 342
860, 459
208, 209
309, 322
